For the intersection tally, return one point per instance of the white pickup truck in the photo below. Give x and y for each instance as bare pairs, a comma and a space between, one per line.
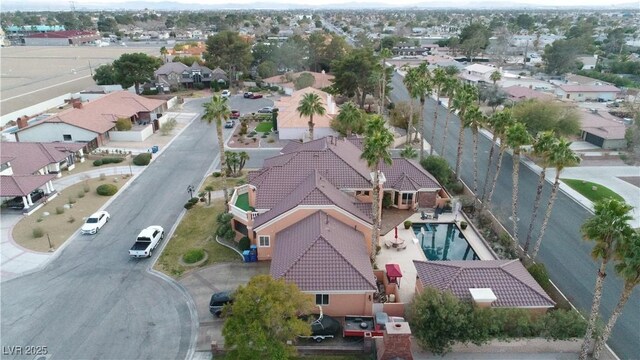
147, 241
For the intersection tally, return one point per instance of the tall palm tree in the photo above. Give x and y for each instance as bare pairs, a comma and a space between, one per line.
501, 130
310, 105
560, 156
425, 89
542, 146
609, 224
385, 54
449, 90
463, 100
438, 81
517, 137
495, 76
412, 83
628, 268
377, 141
351, 119
498, 123
475, 120
216, 111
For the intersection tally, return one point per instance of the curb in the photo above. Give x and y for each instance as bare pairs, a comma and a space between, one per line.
232, 248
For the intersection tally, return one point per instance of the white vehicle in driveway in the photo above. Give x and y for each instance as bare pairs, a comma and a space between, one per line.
225, 93
95, 222
147, 241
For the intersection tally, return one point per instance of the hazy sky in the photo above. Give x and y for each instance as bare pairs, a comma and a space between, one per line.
390, 2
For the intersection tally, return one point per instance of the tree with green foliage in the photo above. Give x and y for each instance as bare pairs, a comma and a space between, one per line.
439, 80
265, 316
353, 74
105, 75
384, 55
292, 54
267, 69
186, 59
311, 105
560, 57
473, 38
304, 80
475, 120
449, 89
560, 156
517, 137
498, 123
235, 162
464, 98
350, 120
135, 68
607, 228
539, 116
401, 114
439, 168
377, 141
228, 50
408, 152
217, 111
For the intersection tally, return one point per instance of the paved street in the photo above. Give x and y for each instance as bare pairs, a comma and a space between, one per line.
565, 254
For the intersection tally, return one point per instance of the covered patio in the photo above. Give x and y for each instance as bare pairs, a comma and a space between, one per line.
24, 187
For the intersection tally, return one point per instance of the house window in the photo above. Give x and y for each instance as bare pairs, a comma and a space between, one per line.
407, 198
363, 193
264, 241
66, 137
322, 299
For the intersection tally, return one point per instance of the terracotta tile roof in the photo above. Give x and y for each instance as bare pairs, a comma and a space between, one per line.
602, 126
508, 279
314, 190
29, 157
320, 253
589, 88
22, 185
520, 93
406, 175
100, 115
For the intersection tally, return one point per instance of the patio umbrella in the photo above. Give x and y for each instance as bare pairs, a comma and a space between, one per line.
393, 273
396, 232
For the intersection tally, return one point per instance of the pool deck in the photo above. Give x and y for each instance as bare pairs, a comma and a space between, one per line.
413, 251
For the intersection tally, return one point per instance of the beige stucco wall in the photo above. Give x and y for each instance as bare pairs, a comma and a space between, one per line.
265, 253
349, 304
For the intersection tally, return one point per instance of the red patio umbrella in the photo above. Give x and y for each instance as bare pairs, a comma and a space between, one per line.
393, 273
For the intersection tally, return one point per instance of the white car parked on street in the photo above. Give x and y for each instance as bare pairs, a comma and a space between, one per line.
225, 93
95, 222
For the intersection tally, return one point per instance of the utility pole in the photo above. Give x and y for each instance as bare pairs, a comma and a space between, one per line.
524, 61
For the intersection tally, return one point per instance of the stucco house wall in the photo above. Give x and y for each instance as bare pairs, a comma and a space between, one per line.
341, 304
51, 132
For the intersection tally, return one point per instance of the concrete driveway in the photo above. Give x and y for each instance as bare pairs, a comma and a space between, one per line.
202, 283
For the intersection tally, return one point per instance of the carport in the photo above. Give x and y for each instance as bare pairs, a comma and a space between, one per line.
24, 185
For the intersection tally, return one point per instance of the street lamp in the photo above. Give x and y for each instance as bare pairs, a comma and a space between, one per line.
190, 190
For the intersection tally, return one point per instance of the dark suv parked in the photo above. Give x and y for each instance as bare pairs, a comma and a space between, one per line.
218, 301
16, 202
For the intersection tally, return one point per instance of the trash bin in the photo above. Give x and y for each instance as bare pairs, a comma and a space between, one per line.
154, 149
246, 256
253, 253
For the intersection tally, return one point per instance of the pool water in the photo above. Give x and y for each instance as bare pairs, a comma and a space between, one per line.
443, 241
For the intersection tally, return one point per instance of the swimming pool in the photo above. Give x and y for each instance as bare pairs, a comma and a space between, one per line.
443, 241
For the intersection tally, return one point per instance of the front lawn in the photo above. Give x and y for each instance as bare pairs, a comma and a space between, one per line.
196, 231
216, 182
264, 126
586, 189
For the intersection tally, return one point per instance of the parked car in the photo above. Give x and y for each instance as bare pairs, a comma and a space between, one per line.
218, 301
266, 110
229, 124
17, 203
235, 114
95, 222
256, 96
322, 327
147, 241
225, 93
248, 95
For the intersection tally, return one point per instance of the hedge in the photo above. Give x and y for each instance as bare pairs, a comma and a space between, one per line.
244, 243
108, 160
142, 159
106, 189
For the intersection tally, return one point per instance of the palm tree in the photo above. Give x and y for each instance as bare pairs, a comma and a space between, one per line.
350, 119
438, 81
408, 152
216, 111
424, 88
475, 120
541, 149
385, 53
498, 122
609, 225
310, 105
164, 52
517, 136
628, 268
449, 90
560, 156
377, 141
411, 82
506, 122
495, 76
463, 100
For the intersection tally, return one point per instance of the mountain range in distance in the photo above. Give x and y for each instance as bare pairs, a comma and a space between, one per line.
176, 6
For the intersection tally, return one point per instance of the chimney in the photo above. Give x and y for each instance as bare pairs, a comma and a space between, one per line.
23, 122
482, 297
396, 343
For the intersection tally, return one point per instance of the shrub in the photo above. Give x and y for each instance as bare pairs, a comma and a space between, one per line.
59, 210
97, 162
40, 219
142, 159
110, 160
106, 189
438, 167
198, 86
457, 188
216, 174
244, 244
193, 256
387, 201
407, 224
71, 200
80, 194
37, 232
194, 200
71, 220
168, 126
539, 273
463, 225
150, 92
86, 188
123, 124
188, 205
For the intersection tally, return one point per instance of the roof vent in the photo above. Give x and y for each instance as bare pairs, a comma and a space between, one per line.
482, 297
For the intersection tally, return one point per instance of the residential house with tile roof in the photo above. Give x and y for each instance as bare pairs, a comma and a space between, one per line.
311, 208
286, 81
179, 74
488, 283
582, 93
90, 122
292, 126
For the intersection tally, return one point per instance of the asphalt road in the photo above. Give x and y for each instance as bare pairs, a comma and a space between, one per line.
93, 301
564, 253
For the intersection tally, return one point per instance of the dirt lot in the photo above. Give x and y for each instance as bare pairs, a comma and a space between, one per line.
60, 226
